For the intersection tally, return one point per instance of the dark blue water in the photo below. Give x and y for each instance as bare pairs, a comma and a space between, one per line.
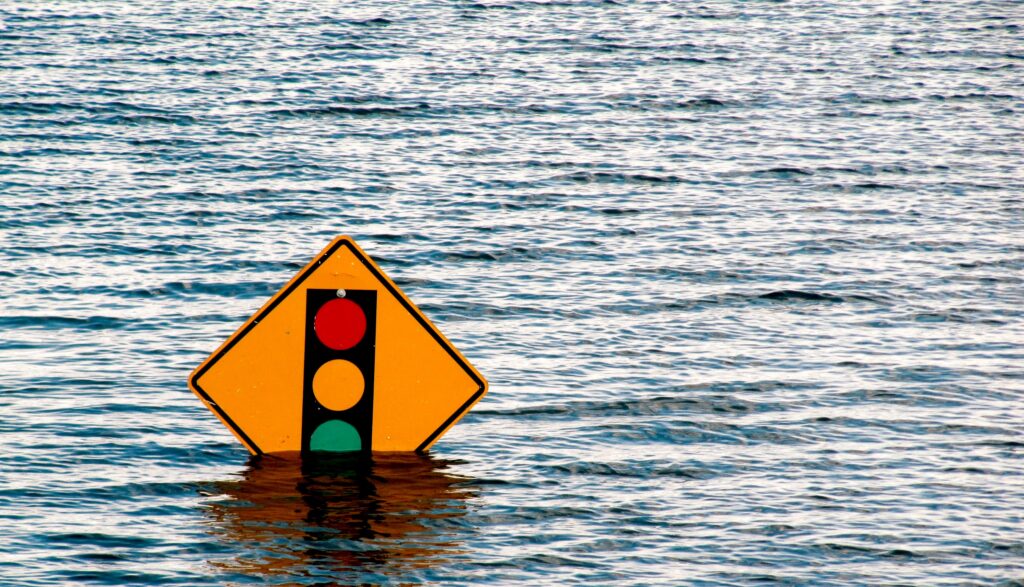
747, 280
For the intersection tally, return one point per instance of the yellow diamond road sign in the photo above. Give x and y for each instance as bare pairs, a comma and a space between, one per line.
339, 360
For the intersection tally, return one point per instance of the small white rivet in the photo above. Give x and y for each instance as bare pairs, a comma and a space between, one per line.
341, 293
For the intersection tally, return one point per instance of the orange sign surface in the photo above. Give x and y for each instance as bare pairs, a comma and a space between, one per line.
339, 360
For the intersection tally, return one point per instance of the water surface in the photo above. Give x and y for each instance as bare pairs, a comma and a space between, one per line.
746, 278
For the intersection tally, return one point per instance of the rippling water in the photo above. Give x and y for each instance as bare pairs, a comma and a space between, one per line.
747, 280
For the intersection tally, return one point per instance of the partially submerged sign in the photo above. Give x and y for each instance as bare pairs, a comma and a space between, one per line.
339, 360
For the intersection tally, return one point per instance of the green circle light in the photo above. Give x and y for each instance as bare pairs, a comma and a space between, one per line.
335, 436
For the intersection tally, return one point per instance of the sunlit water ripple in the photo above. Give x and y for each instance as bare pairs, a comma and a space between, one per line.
747, 281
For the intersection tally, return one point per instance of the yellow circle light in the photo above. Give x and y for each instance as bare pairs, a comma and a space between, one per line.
338, 385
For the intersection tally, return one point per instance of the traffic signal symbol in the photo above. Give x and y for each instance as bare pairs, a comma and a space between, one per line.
340, 349
374, 365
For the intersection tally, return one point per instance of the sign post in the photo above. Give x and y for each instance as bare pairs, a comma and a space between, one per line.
339, 360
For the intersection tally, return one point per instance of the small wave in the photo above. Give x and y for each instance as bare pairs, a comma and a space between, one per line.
857, 98
719, 401
973, 96
170, 142
864, 187
727, 300
379, 21
45, 151
974, 53
143, 119
791, 295
520, 254
482, 6
611, 177
97, 539
178, 289
1002, 443
873, 185
359, 22
955, 317
53, 322
640, 470
694, 60
38, 107
867, 169
380, 111
701, 103
781, 172
345, 47
659, 105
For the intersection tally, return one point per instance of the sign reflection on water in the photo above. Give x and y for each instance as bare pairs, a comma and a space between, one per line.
293, 518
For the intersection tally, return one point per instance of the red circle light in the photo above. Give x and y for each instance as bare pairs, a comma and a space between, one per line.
340, 324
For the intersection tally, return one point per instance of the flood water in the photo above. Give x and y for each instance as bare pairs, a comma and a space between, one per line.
746, 280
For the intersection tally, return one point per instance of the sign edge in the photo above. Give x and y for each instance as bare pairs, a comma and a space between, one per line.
438, 336
268, 306
367, 261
